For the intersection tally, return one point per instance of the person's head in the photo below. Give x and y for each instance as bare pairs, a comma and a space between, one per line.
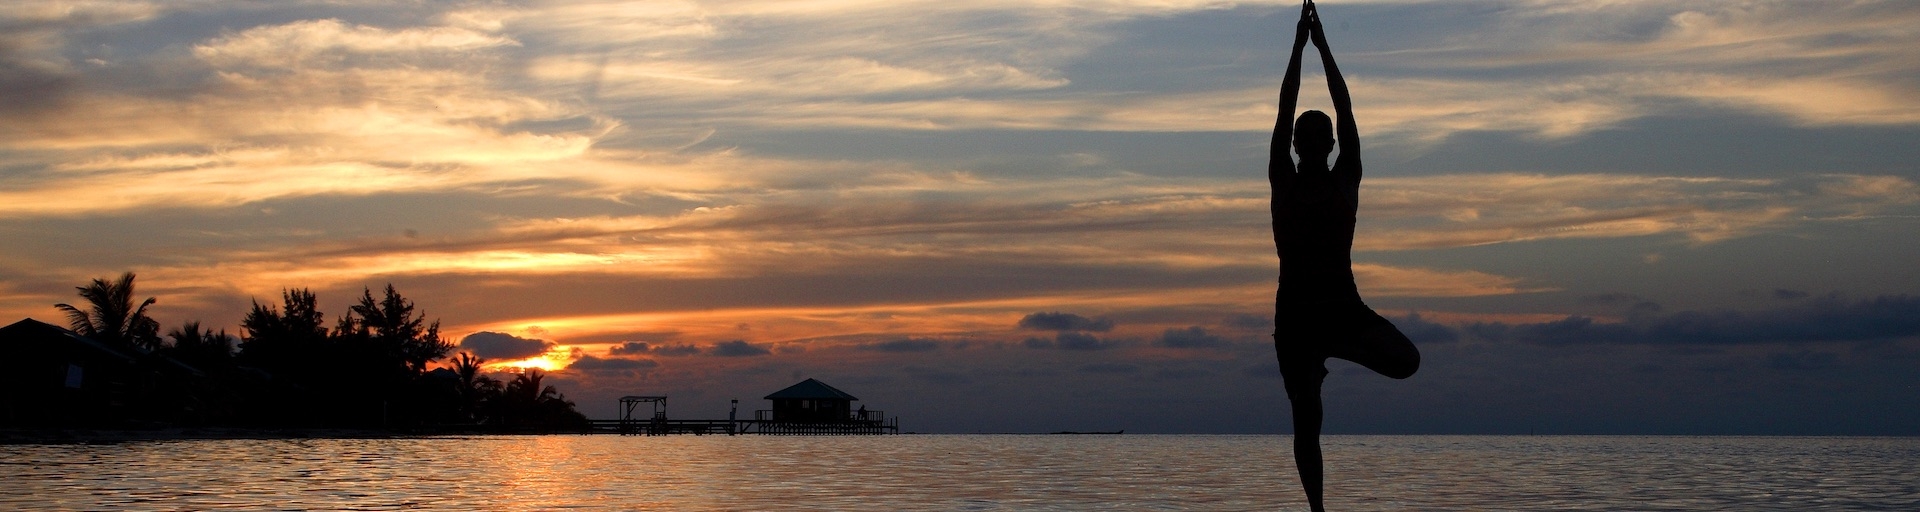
1313, 134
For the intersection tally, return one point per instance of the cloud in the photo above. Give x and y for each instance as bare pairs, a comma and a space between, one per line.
1802, 360
28, 85
1181, 373
1109, 368
77, 14
1073, 340
1006, 66
591, 363
1159, 230
1190, 337
502, 346
1249, 322
1825, 319
638, 348
903, 345
1525, 70
1612, 298
1431, 109
38, 72
738, 348
315, 107
1057, 321
1390, 281
943, 376
1003, 66
1422, 332
296, 43
1785, 294
1467, 210
1021, 246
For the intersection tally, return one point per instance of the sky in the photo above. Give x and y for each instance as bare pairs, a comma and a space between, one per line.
1592, 217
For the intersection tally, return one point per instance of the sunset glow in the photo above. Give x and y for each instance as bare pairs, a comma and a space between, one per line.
943, 205
550, 361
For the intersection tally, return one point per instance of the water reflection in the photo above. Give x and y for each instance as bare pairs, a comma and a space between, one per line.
962, 473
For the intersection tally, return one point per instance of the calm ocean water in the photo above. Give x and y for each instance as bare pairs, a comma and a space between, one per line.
965, 472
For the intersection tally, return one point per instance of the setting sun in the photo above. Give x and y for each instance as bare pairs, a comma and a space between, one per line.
554, 359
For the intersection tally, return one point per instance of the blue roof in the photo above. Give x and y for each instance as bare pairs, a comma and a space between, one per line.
811, 390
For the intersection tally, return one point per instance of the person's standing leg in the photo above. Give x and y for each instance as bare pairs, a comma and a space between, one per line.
1303, 372
1306, 446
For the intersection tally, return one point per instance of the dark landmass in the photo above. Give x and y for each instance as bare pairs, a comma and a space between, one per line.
114, 436
377, 372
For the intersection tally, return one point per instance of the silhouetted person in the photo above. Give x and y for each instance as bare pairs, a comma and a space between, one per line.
1317, 312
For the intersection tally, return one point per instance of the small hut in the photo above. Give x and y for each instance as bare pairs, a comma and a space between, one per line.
812, 408
811, 401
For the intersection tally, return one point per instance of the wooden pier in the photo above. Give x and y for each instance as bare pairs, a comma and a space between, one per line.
650, 427
810, 408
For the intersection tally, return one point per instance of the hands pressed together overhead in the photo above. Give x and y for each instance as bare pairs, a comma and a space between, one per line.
1309, 27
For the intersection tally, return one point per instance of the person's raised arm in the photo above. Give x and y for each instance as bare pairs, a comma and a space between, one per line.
1280, 167
1345, 129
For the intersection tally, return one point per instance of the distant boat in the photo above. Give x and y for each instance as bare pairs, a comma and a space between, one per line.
1072, 433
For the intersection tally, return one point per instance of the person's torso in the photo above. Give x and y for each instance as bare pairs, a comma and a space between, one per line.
1315, 224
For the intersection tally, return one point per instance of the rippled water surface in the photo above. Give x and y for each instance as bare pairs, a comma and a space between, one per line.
964, 472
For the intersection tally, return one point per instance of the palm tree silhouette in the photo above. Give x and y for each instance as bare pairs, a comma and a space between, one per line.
473, 387
525, 390
467, 367
202, 348
112, 318
527, 403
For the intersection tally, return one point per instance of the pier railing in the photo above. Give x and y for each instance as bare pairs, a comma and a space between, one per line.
856, 422
852, 417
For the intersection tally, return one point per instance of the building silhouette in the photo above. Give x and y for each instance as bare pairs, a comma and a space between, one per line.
58, 378
811, 401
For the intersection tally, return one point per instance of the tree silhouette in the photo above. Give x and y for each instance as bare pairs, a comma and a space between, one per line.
369, 369
289, 344
207, 397
112, 317
290, 370
392, 326
474, 389
277, 338
528, 404
525, 389
204, 349
467, 366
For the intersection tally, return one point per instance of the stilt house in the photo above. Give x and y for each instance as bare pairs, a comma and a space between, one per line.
811, 401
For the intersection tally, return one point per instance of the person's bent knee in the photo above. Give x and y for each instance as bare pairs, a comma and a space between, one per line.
1405, 366
1388, 352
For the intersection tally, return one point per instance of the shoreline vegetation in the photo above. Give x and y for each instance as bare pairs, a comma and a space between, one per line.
26, 436
81, 435
381, 370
